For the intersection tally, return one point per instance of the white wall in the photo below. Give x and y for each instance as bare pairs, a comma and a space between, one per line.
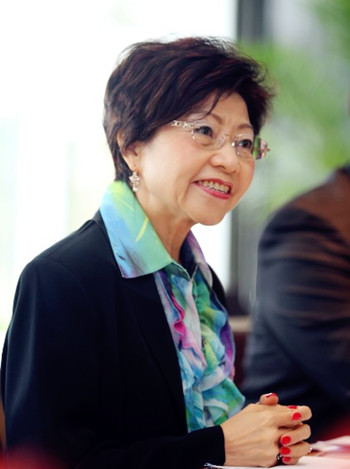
55, 60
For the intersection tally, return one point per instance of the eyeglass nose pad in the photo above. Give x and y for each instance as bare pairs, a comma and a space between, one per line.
221, 140
234, 145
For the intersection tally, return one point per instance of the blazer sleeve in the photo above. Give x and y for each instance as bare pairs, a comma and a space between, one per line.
301, 324
50, 374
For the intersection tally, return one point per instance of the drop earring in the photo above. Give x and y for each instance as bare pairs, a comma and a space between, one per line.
135, 181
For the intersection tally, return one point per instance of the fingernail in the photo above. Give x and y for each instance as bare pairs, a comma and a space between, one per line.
296, 416
286, 459
292, 407
271, 394
285, 440
285, 450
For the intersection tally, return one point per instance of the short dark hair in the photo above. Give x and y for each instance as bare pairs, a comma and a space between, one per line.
158, 81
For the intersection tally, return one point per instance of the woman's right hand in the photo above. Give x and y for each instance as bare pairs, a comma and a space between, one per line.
258, 434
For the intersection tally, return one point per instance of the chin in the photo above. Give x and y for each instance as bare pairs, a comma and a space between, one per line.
210, 221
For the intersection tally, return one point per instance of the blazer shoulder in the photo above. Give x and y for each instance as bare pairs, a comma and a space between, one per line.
323, 209
86, 251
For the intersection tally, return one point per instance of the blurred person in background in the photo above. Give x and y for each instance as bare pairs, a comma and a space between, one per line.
299, 345
119, 353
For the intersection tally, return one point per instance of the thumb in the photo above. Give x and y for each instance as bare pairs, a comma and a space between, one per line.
269, 399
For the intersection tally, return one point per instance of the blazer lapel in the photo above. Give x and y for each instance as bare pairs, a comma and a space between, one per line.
154, 326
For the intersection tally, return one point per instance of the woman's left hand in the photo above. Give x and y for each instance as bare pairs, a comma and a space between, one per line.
292, 444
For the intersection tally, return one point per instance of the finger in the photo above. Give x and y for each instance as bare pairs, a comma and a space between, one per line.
292, 417
296, 435
304, 410
268, 399
287, 460
292, 454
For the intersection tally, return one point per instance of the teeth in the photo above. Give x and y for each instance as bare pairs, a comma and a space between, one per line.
215, 185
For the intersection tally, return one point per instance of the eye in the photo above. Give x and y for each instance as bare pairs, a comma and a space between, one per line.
204, 130
246, 144
203, 134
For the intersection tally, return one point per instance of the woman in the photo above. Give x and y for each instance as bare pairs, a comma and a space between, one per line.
119, 353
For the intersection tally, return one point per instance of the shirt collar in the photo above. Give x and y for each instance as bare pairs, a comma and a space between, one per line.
135, 244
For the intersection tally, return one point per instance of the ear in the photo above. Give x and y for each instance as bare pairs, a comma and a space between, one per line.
131, 153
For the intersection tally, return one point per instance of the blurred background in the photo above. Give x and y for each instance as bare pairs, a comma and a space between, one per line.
55, 59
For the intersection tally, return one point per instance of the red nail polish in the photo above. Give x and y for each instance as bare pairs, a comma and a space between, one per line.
284, 450
292, 407
285, 440
296, 416
286, 459
271, 394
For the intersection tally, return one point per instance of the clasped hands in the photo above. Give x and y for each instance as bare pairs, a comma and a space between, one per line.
265, 433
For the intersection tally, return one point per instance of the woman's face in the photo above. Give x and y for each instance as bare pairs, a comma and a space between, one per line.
183, 183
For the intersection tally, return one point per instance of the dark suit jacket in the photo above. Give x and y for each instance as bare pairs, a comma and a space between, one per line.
300, 341
90, 373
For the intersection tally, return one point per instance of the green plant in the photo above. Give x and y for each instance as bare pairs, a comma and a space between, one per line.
309, 129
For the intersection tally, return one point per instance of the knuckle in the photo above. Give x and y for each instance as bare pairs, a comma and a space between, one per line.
250, 406
307, 411
307, 430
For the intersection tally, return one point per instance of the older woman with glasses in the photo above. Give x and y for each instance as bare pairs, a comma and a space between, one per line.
119, 353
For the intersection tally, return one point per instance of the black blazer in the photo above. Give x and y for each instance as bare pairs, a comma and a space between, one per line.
300, 341
90, 374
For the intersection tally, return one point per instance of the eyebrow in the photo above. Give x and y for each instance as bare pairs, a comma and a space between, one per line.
219, 119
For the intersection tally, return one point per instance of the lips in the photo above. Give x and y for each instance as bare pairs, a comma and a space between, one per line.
216, 185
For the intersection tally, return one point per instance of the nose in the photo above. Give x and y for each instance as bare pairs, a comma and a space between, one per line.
226, 157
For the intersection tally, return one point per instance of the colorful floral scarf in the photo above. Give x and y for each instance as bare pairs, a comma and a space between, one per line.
198, 322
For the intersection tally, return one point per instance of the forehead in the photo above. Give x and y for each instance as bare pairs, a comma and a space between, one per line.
226, 104
229, 110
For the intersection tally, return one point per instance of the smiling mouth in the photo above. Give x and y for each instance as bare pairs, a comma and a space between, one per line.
223, 188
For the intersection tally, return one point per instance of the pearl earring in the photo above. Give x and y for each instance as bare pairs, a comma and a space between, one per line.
135, 181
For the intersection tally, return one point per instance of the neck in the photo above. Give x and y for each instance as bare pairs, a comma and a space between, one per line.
170, 229
171, 235
172, 241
